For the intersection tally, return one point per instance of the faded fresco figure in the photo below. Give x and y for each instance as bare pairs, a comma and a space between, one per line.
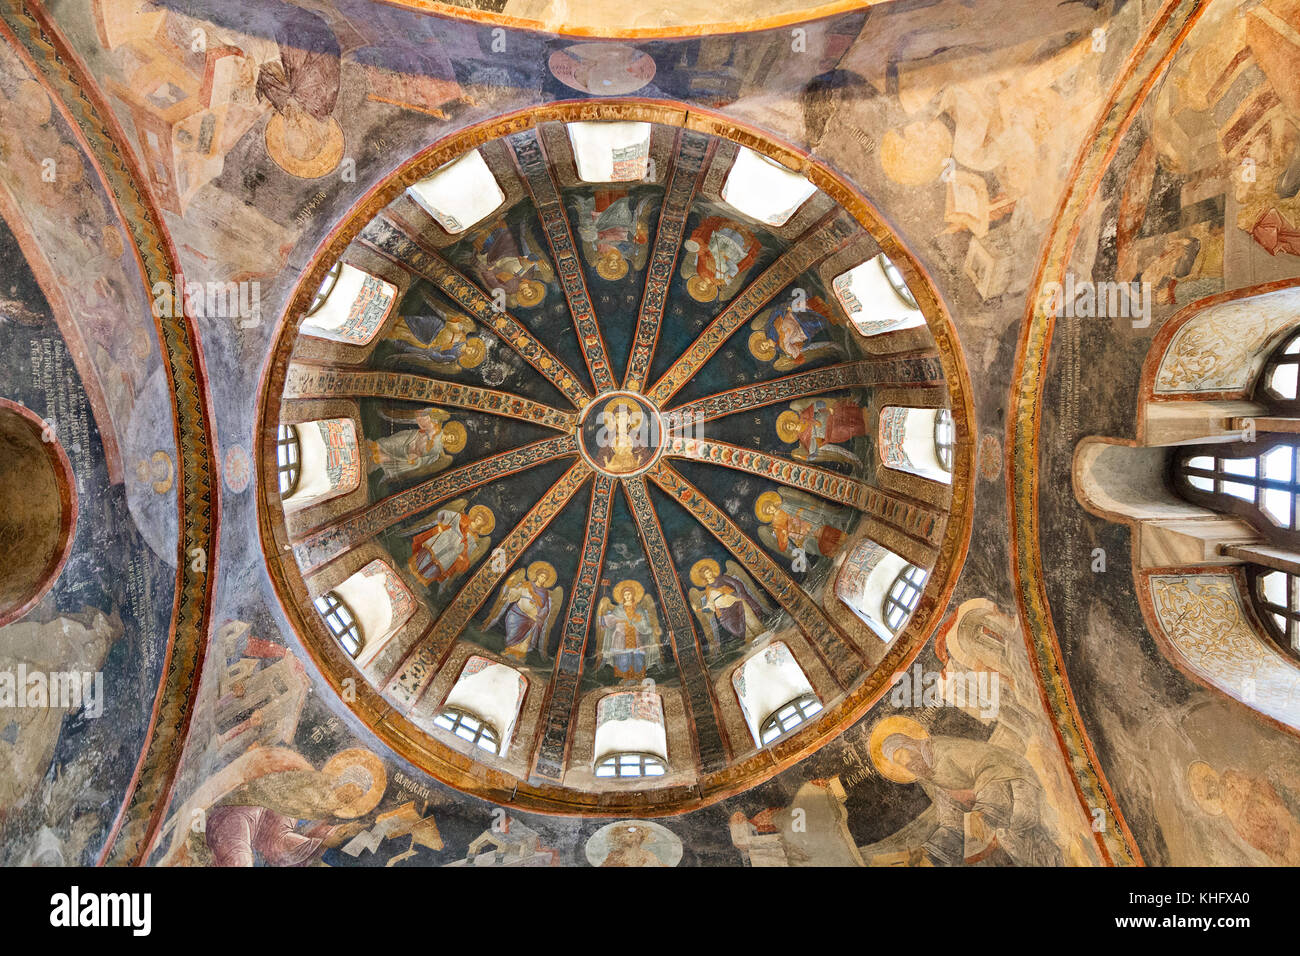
629, 631
728, 605
526, 610
456, 539
425, 449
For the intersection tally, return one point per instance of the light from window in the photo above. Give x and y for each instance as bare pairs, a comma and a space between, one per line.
610, 152
789, 716
340, 622
459, 194
945, 438
896, 282
876, 298
764, 189
1279, 378
903, 594
326, 287
1266, 484
631, 766
469, 728
1277, 601
288, 458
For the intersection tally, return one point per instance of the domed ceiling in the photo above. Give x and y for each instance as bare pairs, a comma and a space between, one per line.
615, 435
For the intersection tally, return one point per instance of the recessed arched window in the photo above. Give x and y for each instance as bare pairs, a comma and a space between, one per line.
630, 766
1277, 600
1257, 479
945, 438
288, 458
774, 693
326, 287
875, 297
1259, 482
789, 716
900, 599
631, 741
763, 189
340, 622
1278, 381
317, 460
350, 306
459, 194
914, 440
489, 694
469, 727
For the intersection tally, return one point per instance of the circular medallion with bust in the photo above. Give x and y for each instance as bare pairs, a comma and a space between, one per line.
564, 489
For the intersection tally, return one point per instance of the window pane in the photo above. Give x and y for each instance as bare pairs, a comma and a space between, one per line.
1237, 490
1283, 378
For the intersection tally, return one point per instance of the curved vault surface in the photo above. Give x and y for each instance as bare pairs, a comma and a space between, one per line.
638, 388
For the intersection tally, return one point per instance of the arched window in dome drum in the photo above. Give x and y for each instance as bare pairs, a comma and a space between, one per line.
288, 459
789, 716
470, 728
900, 600
340, 622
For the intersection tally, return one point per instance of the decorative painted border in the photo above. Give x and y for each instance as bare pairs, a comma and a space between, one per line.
562, 693
29, 29
1143, 69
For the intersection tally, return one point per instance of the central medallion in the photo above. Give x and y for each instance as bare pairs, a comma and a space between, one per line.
620, 434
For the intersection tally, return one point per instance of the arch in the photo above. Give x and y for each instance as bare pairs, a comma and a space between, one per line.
767, 683
491, 692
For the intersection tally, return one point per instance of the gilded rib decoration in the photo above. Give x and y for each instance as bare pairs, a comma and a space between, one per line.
197, 476
838, 653
1144, 67
311, 381
546, 197
831, 234
389, 240
913, 371
683, 183
330, 542
563, 695
917, 521
714, 751
420, 666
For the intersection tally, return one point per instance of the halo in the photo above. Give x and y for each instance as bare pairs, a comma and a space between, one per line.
697, 577
636, 414
767, 505
761, 347
346, 769
702, 289
897, 724
542, 573
485, 513
1202, 780
530, 293
324, 160
788, 426
472, 354
454, 437
611, 266
638, 591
